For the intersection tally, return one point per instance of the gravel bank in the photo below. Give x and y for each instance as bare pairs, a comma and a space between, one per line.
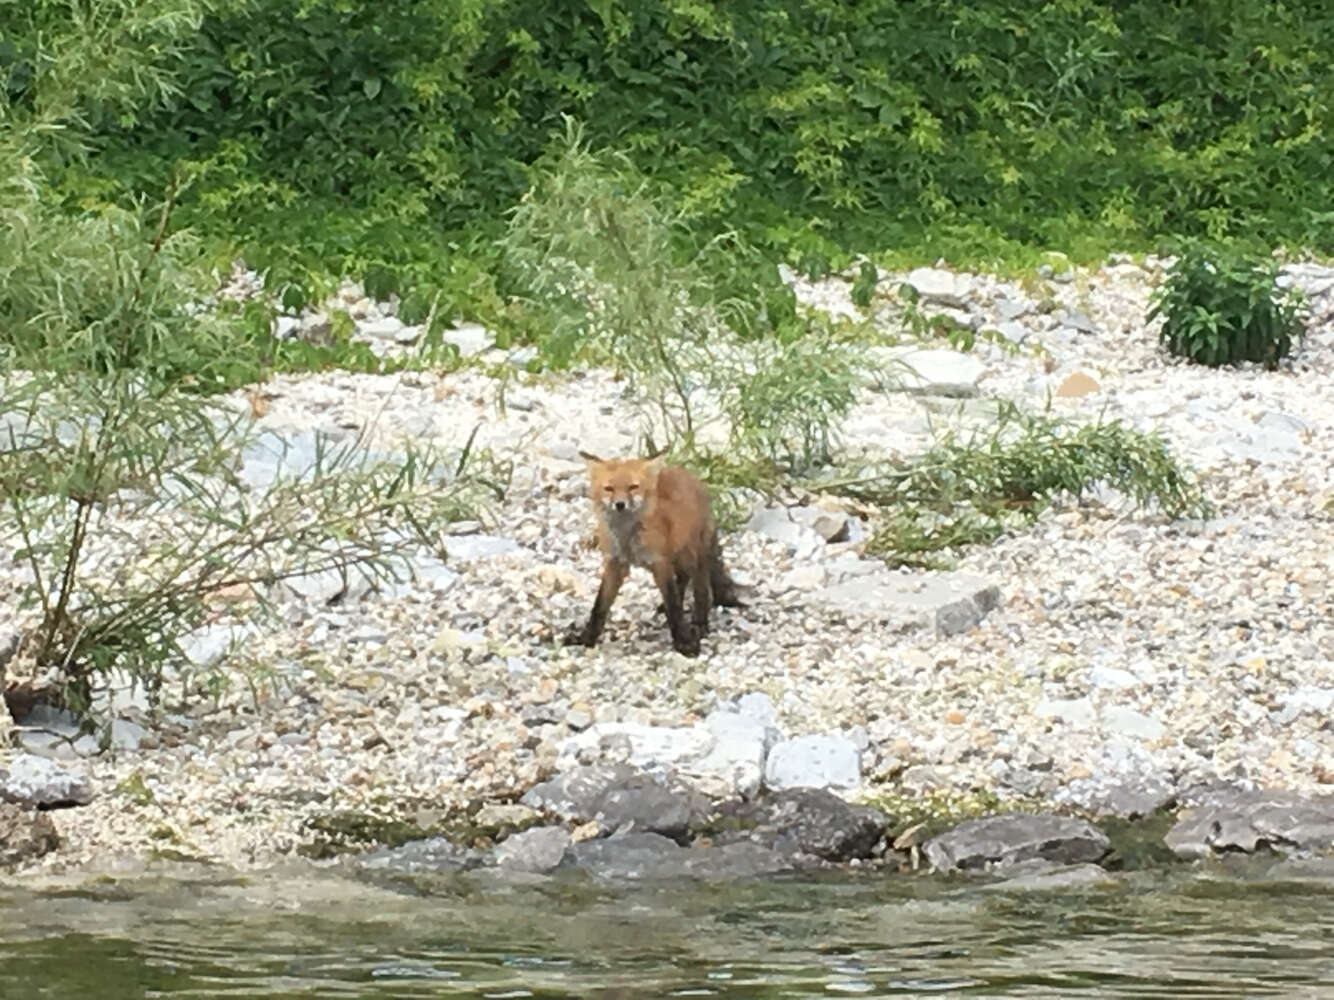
1122, 644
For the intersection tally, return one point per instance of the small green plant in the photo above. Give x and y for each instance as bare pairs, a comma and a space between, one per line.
787, 407
863, 289
965, 491
1221, 306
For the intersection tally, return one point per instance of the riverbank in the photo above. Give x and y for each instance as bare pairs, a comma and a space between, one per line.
1101, 653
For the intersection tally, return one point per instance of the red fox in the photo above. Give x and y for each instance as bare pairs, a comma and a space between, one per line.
659, 517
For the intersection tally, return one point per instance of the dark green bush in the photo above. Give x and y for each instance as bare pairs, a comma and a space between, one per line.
1221, 306
356, 136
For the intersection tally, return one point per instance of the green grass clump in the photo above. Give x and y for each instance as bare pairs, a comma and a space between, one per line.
970, 491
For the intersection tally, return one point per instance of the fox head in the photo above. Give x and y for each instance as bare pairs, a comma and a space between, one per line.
620, 487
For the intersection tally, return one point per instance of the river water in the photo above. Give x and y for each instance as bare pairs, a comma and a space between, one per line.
1241, 930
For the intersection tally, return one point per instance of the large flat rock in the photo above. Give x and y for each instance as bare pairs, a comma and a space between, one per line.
648, 856
1223, 820
32, 781
946, 603
1016, 837
930, 372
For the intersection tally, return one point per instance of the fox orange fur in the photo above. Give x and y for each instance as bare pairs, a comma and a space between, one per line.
659, 517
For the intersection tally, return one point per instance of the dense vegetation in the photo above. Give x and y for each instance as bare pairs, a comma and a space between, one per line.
387, 139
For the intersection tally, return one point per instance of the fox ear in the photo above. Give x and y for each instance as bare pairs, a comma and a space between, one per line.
590, 457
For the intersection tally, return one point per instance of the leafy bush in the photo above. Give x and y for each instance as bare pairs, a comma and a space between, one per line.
348, 136
786, 409
1221, 306
128, 505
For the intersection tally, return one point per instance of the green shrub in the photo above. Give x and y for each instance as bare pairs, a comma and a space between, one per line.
1220, 306
595, 259
123, 499
354, 136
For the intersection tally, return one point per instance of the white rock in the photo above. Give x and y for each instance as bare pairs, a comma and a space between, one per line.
31, 780
469, 338
930, 372
780, 525
814, 762
651, 748
937, 285
205, 647
1316, 700
944, 603
1128, 722
385, 328
734, 764
127, 735
1012, 309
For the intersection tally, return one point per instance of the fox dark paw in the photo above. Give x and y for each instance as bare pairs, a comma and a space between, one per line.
688, 645
577, 635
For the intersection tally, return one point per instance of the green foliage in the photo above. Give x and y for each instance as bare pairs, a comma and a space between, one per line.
788, 405
120, 286
864, 287
596, 261
351, 137
1220, 306
973, 490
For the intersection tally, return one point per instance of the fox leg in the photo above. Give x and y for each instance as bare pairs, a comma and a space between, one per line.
682, 578
684, 639
703, 591
613, 575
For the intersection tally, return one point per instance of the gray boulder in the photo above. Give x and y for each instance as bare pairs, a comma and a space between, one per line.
945, 603
808, 821
619, 798
1222, 819
1131, 796
538, 850
427, 856
1008, 839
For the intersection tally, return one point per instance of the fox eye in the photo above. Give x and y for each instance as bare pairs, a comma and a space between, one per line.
608, 489
632, 487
